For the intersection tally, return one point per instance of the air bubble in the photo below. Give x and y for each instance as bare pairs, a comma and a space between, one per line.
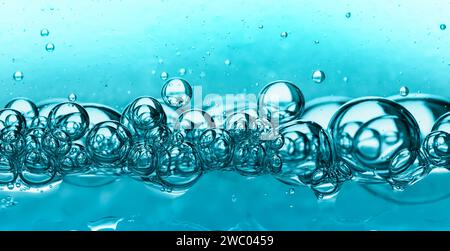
72, 97
50, 47
280, 102
142, 115
71, 118
284, 34
164, 75
215, 147
318, 76
45, 32
179, 167
176, 92
108, 143
18, 76
26, 107
371, 124
404, 91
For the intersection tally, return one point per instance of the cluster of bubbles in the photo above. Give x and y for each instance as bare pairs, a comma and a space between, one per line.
166, 144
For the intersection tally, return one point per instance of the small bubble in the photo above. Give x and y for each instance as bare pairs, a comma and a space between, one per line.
45, 32
18, 75
233, 198
72, 97
348, 14
291, 191
182, 71
404, 91
164, 75
345, 79
227, 62
161, 61
442, 26
316, 42
291, 206
261, 27
284, 34
202, 74
50, 47
318, 76
153, 72
10, 186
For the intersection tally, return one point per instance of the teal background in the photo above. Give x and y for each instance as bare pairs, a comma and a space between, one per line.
105, 52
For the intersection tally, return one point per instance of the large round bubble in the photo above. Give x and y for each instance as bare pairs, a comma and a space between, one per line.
108, 143
280, 102
70, 118
180, 167
176, 92
143, 114
376, 138
192, 123
26, 107
215, 147
307, 150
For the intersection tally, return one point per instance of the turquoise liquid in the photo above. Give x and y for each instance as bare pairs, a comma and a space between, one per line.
112, 52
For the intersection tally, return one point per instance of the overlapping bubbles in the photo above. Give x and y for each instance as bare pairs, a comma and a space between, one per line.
167, 144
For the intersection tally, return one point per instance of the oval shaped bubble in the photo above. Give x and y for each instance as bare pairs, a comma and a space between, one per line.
280, 102
436, 147
369, 133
